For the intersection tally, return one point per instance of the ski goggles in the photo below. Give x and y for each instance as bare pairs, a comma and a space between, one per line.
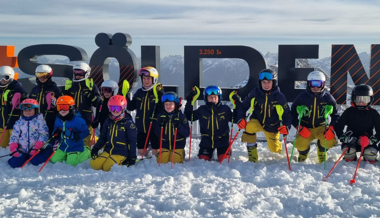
78, 72
170, 98
42, 74
27, 106
213, 90
63, 107
316, 83
106, 90
144, 72
4, 77
364, 99
114, 108
266, 76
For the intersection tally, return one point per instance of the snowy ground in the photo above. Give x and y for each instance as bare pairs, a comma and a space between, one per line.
194, 189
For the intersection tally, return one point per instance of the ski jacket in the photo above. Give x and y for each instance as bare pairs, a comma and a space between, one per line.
315, 104
75, 125
360, 122
213, 122
6, 94
183, 131
102, 112
118, 137
84, 98
265, 108
28, 130
144, 104
39, 93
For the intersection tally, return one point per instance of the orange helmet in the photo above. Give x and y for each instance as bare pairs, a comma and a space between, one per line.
117, 101
66, 99
25, 104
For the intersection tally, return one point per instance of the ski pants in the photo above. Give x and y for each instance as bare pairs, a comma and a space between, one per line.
303, 144
7, 135
72, 158
105, 161
41, 157
167, 155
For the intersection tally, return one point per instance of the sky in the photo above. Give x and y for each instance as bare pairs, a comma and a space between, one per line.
262, 25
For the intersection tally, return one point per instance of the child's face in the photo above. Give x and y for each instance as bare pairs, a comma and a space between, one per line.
116, 114
78, 77
315, 89
362, 104
28, 112
267, 85
212, 99
147, 81
63, 113
43, 79
169, 106
107, 94
4, 82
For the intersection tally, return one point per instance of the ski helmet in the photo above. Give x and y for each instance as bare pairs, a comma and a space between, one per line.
268, 74
29, 104
117, 102
362, 93
316, 79
212, 90
7, 74
44, 71
170, 97
110, 84
149, 71
65, 100
81, 69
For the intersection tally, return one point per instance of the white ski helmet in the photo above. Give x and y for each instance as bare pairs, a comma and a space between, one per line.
316, 75
43, 70
6, 73
110, 84
149, 71
81, 69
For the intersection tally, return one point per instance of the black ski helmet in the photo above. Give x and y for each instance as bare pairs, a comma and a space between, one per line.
362, 90
264, 75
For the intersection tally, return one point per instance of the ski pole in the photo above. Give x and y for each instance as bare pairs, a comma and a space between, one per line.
301, 110
175, 139
50, 156
232, 118
336, 163
328, 110
192, 117
15, 101
151, 118
229, 147
8, 154
364, 141
280, 112
159, 157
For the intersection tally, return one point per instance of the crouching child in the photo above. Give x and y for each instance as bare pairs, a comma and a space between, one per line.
71, 129
118, 138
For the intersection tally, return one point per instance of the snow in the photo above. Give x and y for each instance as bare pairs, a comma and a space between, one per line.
194, 189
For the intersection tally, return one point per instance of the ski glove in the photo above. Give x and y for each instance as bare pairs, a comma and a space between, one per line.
190, 95
162, 120
13, 147
37, 146
236, 98
347, 138
283, 130
242, 123
129, 161
95, 124
373, 140
176, 122
72, 135
303, 131
94, 152
329, 133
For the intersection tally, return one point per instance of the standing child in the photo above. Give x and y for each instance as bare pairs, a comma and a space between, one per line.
361, 120
71, 130
29, 134
109, 88
118, 138
313, 103
264, 117
174, 126
8, 87
146, 103
213, 120
46, 85
85, 93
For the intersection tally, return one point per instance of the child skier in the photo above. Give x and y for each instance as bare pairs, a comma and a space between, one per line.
29, 134
361, 120
146, 103
312, 105
109, 88
264, 117
213, 121
8, 87
118, 138
174, 126
45, 86
71, 130
85, 94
